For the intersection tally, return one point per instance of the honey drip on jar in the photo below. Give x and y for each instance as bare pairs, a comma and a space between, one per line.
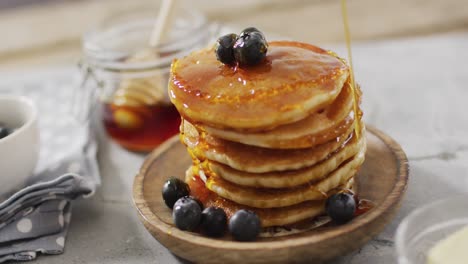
344, 11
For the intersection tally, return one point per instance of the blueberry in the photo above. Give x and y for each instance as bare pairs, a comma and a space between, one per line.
250, 30
341, 207
250, 49
173, 190
198, 202
224, 48
186, 213
213, 222
244, 225
4, 131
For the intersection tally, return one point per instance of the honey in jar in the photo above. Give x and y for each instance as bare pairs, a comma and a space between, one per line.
138, 115
140, 128
128, 78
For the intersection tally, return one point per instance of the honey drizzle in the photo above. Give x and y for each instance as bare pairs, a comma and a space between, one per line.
344, 10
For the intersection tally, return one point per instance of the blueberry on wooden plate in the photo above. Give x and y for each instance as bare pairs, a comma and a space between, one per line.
198, 202
173, 190
341, 207
186, 213
224, 48
213, 222
244, 225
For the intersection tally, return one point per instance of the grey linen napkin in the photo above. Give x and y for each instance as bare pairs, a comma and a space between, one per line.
35, 219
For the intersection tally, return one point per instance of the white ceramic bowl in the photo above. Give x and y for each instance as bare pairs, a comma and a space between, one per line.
19, 151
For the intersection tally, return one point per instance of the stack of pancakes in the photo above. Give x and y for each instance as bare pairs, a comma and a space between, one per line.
276, 138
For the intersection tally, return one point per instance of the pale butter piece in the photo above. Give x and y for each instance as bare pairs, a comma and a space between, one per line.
451, 250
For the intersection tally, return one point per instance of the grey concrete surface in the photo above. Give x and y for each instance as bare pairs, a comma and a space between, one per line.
414, 89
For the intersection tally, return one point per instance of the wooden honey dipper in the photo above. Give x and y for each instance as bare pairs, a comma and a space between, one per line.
138, 92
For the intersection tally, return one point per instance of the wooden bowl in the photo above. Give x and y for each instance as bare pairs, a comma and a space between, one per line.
382, 179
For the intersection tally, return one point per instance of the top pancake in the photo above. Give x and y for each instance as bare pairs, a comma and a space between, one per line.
295, 80
330, 122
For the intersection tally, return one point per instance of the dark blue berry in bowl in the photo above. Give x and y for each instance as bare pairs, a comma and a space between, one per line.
213, 222
224, 48
341, 207
4, 131
173, 190
186, 213
244, 225
250, 49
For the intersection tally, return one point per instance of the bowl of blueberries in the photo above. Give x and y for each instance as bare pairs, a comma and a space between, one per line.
19, 142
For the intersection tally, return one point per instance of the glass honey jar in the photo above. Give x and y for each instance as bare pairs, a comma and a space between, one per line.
125, 80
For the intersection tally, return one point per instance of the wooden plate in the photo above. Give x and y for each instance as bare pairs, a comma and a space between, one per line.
382, 179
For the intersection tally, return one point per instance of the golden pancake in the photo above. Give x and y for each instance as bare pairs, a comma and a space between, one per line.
294, 81
269, 198
291, 178
255, 159
268, 216
270, 140
318, 128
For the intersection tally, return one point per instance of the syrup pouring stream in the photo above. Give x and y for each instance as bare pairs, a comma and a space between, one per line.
344, 10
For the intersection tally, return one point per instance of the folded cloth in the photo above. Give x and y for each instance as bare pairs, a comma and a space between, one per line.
35, 219
43, 230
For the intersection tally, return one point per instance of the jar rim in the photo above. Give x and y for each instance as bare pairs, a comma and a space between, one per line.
101, 45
